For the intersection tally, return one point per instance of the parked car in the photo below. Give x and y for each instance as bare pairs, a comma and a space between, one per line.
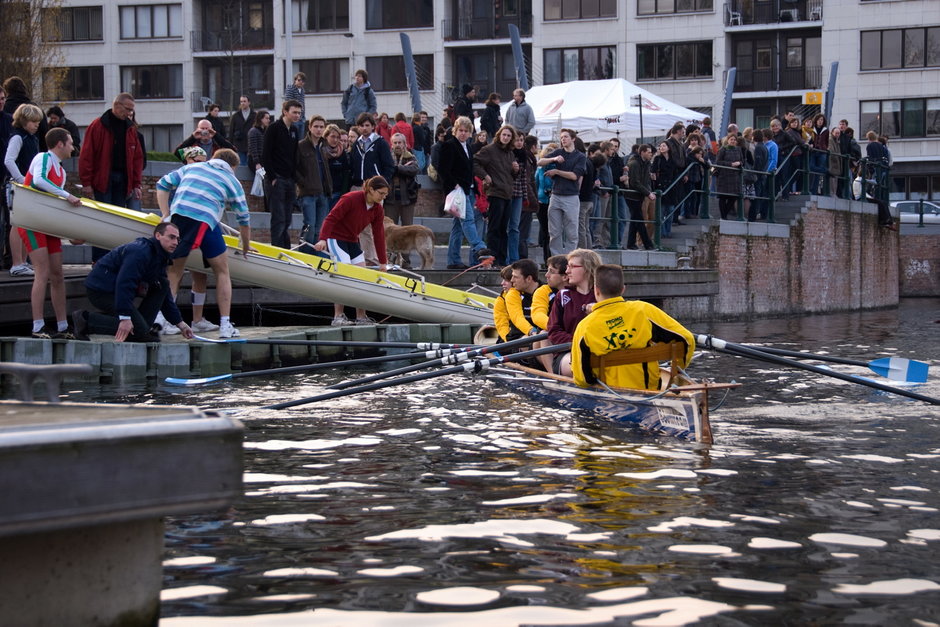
909, 211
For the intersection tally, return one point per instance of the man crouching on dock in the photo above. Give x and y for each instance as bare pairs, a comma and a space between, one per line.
115, 281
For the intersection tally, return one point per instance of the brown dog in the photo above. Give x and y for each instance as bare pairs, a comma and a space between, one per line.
401, 240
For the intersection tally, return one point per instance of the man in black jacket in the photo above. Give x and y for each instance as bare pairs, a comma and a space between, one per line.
242, 120
118, 278
57, 119
456, 171
278, 158
463, 106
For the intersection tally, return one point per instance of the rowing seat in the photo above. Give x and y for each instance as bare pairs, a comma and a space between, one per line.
664, 351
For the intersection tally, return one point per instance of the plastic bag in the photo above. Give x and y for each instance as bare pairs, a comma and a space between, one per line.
456, 203
257, 187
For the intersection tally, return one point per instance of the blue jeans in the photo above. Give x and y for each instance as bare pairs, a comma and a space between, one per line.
465, 228
621, 218
315, 209
422, 159
281, 195
667, 219
243, 158
512, 230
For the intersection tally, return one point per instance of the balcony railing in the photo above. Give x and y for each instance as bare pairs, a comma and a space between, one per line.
461, 29
231, 40
260, 99
745, 12
772, 80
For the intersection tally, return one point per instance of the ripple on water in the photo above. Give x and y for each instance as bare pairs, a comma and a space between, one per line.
749, 585
461, 595
847, 539
891, 586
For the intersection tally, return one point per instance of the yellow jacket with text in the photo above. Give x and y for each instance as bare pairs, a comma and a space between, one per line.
616, 324
542, 306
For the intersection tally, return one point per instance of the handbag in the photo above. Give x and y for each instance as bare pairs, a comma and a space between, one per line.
257, 186
456, 203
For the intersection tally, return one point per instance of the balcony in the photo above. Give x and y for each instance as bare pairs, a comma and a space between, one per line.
465, 29
260, 99
748, 12
232, 40
786, 79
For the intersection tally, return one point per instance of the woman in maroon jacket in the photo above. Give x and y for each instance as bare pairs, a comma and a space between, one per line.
340, 234
572, 304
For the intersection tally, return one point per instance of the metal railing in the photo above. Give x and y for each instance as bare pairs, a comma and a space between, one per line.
230, 40
740, 13
809, 77
461, 29
859, 179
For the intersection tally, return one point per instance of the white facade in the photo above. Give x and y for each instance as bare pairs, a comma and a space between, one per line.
466, 48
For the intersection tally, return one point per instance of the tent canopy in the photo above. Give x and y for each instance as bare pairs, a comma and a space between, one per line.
598, 110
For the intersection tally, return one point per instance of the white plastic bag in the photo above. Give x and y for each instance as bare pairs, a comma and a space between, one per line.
257, 187
456, 203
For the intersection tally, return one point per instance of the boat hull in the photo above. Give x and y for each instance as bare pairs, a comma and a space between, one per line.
407, 297
683, 415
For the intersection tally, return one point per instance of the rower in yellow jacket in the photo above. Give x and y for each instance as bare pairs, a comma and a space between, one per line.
615, 324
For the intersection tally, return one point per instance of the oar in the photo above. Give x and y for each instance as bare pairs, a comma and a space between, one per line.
421, 346
894, 368
460, 355
308, 367
475, 366
707, 341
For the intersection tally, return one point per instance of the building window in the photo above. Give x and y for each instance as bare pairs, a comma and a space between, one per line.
317, 15
381, 14
388, 73
579, 9
72, 24
900, 48
665, 7
151, 21
324, 76
578, 64
912, 117
153, 81
671, 61
161, 137
73, 83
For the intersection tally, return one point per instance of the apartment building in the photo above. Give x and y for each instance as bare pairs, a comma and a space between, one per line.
178, 56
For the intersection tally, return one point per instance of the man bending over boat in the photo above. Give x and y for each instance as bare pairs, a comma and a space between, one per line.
202, 192
115, 281
615, 324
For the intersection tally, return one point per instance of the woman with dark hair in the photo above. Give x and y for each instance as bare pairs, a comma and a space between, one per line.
340, 235
819, 157
17, 94
340, 173
491, 120
495, 165
256, 138
729, 180
664, 171
530, 203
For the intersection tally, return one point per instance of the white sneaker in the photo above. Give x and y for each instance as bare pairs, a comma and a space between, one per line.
22, 269
340, 321
169, 329
365, 321
227, 331
204, 326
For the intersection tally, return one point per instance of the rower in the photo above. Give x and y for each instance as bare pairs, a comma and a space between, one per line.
542, 299
616, 324
500, 312
525, 280
572, 304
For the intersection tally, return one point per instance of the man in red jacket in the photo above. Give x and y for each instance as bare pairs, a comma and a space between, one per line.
111, 163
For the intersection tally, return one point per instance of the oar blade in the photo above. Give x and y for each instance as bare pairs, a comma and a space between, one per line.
901, 369
202, 381
234, 340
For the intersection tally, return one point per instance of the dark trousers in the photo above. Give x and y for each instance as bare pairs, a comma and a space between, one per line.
117, 196
728, 205
105, 321
281, 195
497, 218
637, 226
542, 215
757, 203
525, 228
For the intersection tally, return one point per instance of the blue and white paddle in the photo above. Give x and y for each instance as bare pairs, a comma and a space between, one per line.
894, 368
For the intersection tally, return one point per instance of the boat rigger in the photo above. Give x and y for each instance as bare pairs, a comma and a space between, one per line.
409, 297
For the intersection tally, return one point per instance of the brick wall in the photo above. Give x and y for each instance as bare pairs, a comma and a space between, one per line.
919, 265
832, 260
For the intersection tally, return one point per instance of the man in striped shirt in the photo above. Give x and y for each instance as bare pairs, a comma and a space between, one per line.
202, 193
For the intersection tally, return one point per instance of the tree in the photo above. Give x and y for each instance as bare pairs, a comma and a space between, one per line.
28, 48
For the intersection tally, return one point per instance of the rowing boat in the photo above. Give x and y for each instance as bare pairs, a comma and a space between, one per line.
408, 297
681, 411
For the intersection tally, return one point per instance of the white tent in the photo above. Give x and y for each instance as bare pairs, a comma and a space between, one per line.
598, 110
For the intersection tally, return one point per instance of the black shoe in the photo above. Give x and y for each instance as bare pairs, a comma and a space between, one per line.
457, 266
42, 334
80, 324
63, 335
632, 248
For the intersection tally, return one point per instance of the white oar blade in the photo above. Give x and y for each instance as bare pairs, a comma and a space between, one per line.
203, 381
900, 369
233, 340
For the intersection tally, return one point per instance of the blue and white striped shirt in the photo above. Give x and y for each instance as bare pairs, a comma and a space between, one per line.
203, 190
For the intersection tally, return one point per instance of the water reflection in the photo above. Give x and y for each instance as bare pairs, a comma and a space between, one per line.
455, 503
